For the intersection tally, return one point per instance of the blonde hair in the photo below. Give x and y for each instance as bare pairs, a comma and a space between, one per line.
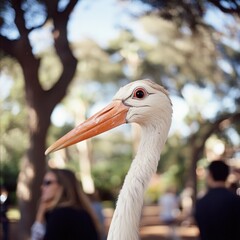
72, 194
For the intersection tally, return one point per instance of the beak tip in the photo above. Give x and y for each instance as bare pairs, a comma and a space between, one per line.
47, 151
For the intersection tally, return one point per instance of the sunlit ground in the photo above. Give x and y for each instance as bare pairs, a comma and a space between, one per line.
154, 232
13, 214
152, 229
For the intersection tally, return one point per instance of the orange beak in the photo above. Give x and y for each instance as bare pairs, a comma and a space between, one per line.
109, 117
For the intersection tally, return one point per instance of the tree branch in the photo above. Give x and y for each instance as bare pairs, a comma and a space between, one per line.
230, 9
19, 18
70, 7
221, 123
69, 62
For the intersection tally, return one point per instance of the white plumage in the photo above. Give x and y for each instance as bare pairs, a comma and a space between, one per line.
148, 104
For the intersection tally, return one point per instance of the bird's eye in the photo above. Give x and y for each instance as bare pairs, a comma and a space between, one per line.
139, 93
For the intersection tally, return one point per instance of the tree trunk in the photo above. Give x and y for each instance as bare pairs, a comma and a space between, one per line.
40, 103
40, 107
30, 177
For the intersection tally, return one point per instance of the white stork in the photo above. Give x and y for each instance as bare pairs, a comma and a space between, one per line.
148, 104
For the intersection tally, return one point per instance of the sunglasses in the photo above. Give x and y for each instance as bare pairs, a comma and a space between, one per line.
48, 182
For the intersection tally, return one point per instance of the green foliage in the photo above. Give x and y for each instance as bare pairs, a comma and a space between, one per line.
175, 160
189, 13
14, 136
109, 175
95, 64
50, 68
112, 157
8, 177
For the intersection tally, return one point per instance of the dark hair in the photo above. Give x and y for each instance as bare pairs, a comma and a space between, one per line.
219, 170
72, 193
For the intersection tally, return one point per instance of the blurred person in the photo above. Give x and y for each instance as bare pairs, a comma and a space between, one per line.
169, 211
64, 212
235, 185
217, 213
4, 200
186, 202
98, 208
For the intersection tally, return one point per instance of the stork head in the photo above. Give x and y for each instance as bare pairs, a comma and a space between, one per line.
143, 102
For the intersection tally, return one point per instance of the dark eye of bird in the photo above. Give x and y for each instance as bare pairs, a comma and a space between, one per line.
139, 93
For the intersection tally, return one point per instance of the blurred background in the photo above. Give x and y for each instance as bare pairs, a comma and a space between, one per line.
63, 60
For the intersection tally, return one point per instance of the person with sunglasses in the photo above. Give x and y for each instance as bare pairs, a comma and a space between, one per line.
64, 212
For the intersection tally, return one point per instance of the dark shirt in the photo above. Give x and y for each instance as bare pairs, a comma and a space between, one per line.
218, 215
67, 223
